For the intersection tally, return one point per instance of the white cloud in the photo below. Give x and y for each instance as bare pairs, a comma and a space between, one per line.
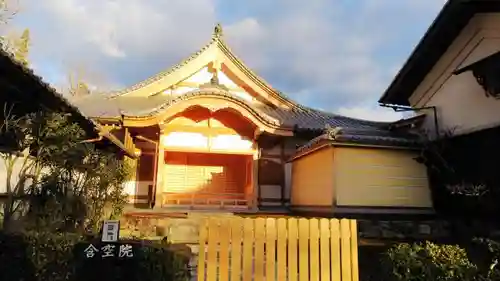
125, 40
322, 53
307, 53
370, 112
129, 26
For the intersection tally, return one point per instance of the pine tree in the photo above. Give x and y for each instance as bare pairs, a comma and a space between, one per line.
77, 87
21, 48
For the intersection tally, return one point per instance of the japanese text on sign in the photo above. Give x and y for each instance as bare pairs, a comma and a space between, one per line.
110, 231
109, 250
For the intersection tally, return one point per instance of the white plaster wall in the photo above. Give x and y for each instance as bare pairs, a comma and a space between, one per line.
270, 192
184, 139
133, 188
15, 174
225, 142
198, 140
462, 106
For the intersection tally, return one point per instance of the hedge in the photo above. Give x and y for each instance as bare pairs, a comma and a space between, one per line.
473, 261
57, 257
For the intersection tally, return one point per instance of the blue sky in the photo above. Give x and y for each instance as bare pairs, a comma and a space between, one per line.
334, 55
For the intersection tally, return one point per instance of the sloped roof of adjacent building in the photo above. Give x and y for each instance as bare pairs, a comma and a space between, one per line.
368, 137
28, 93
450, 21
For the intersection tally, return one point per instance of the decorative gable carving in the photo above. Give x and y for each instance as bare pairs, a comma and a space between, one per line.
206, 78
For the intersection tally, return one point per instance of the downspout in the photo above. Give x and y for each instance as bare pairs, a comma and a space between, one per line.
155, 165
400, 108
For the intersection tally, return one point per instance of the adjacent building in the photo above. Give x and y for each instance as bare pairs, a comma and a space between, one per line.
23, 92
452, 81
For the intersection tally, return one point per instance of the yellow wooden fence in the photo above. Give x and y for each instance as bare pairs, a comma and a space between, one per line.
284, 249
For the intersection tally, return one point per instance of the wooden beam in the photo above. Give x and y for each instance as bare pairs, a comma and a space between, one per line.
271, 155
197, 85
208, 150
206, 131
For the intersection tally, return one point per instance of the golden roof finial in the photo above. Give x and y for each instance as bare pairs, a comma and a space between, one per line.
218, 31
215, 78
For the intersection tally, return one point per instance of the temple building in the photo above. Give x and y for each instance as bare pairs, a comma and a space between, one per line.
209, 133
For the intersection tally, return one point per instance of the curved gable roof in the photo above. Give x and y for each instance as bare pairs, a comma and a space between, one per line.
216, 44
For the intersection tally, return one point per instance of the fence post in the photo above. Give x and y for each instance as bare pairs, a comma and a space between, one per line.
278, 249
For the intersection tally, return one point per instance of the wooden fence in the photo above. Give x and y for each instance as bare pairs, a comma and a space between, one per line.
284, 249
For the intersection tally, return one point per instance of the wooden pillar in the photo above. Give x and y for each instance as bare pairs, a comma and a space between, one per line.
282, 162
160, 171
255, 169
132, 163
255, 179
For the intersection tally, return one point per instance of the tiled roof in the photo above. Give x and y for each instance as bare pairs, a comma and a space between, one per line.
40, 93
351, 135
36, 94
167, 72
117, 104
105, 106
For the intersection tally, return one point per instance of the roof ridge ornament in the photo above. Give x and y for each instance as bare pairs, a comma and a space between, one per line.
215, 78
218, 33
214, 83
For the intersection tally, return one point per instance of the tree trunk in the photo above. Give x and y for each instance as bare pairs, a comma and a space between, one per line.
7, 214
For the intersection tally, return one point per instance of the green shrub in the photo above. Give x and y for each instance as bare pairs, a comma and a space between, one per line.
486, 254
162, 264
52, 257
428, 261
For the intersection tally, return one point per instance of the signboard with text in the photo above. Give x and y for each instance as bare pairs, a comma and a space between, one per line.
109, 250
106, 261
110, 231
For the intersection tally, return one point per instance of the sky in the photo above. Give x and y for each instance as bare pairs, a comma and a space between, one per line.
334, 55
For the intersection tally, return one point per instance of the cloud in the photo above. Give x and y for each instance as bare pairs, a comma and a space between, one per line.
336, 55
126, 40
370, 112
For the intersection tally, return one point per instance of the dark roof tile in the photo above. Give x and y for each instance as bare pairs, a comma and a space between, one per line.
362, 136
302, 118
